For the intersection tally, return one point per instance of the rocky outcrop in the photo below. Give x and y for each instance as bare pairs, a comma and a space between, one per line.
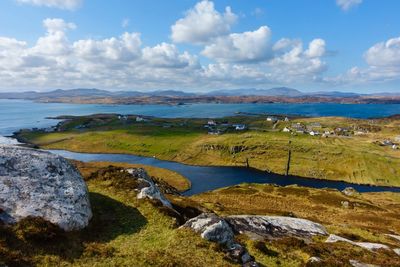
395, 237
355, 263
397, 251
212, 228
366, 245
148, 188
274, 226
40, 184
349, 191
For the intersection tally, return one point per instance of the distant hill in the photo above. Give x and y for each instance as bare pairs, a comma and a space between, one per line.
334, 94
272, 92
95, 93
278, 91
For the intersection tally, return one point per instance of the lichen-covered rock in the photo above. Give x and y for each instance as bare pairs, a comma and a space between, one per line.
367, 245
274, 226
397, 251
349, 191
212, 228
40, 184
150, 189
355, 263
314, 260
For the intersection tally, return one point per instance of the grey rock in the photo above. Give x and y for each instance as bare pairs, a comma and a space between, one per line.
212, 228
251, 264
367, 245
345, 204
246, 257
355, 263
239, 254
349, 191
396, 237
274, 226
150, 190
314, 260
397, 251
40, 184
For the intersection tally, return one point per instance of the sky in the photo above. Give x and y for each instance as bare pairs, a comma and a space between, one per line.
200, 45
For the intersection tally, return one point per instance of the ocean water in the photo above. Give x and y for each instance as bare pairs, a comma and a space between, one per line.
17, 114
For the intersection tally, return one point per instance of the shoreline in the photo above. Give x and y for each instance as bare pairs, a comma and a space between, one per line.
24, 142
231, 166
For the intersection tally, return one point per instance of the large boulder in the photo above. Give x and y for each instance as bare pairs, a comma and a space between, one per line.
40, 184
274, 226
212, 228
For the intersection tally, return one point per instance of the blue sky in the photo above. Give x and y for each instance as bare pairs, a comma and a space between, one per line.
348, 45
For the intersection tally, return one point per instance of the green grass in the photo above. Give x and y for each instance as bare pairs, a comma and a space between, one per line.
123, 232
356, 159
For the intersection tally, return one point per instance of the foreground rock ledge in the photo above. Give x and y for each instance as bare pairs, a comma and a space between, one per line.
40, 184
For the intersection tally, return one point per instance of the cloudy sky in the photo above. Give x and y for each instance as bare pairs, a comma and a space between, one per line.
312, 45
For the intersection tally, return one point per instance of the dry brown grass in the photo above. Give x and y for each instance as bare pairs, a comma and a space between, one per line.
170, 177
369, 217
373, 211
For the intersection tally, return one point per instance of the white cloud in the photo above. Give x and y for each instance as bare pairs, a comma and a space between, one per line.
288, 64
62, 4
115, 62
384, 54
316, 48
348, 4
383, 61
258, 12
202, 23
241, 47
124, 48
167, 55
125, 22
57, 25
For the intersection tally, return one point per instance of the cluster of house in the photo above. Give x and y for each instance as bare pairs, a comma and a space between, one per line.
216, 129
313, 129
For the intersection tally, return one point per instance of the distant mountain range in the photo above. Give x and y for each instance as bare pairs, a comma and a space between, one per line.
83, 92
278, 91
97, 93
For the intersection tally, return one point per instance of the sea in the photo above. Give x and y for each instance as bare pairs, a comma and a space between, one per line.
22, 114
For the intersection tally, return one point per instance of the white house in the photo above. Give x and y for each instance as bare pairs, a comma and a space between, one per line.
286, 130
272, 119
240, 127
139, 119
211, 123
314, 133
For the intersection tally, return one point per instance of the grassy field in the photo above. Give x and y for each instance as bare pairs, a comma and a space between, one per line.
356, 159
125, 231
170, 177
368, 217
